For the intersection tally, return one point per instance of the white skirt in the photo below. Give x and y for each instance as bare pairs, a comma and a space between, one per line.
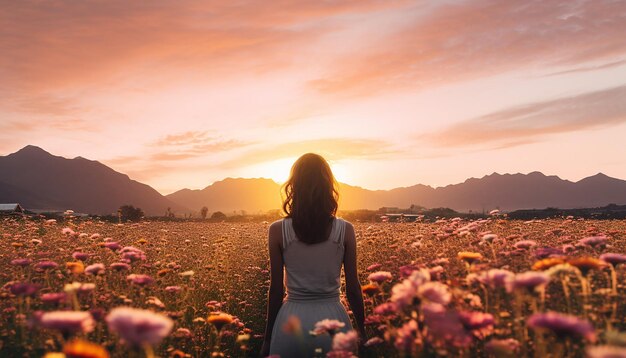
309, 312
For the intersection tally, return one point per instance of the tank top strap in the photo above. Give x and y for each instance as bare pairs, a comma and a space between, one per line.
339, 230
289, 234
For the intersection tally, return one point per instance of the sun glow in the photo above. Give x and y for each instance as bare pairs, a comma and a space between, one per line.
278, 170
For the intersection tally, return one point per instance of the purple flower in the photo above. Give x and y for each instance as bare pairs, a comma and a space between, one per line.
46, 265
22, 288
138, 327
563, 325
613, 259
68, 321
139, 279
20, 262
112, 245
81, 256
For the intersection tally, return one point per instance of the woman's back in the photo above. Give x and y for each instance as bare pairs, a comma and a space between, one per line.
313, 287
313, 270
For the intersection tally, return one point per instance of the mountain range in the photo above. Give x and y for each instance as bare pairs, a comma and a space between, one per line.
39, 180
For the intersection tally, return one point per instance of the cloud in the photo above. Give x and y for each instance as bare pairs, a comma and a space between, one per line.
535, 121
62, 45
464, 40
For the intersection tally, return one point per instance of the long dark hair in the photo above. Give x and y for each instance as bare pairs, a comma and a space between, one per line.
311, 197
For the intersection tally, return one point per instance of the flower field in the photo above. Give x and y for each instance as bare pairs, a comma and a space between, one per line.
494, 287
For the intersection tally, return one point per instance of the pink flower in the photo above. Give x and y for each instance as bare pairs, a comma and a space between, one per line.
120, 266
380, 276
594, 241
54, 297
479, 323
530, 280
435, 292
613, 259
563, 325
137, 326
68, 321
46, 265
94, 269
345, 341
525, 244
373, 341
495, 277
373, 267
327, 326
139, 279
112, 245
407, 336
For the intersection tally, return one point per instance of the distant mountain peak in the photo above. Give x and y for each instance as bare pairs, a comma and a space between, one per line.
32, 150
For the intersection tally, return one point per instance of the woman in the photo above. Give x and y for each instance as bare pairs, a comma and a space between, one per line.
311, 244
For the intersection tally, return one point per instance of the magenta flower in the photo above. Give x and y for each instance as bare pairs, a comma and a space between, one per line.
68, 321
563, 325
373, 267
132, 253
546, 252
138, 327
20, 262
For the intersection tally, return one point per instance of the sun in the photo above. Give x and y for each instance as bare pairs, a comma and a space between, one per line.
279, 169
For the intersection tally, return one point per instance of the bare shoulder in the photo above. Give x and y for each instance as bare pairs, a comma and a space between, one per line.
276, 231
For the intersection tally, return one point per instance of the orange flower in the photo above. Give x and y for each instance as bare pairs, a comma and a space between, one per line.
370, 289
292, 326
178, 354
219, 319
586, 264
469, 257
545, 264
76, 267
83, 349
142, 241
163, 272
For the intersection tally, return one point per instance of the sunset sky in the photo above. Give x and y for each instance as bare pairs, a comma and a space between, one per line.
179, 94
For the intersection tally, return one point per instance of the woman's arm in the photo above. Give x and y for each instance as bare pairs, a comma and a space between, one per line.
353, 286
277, 290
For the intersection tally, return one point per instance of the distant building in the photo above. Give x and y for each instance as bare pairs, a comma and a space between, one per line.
12, 208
